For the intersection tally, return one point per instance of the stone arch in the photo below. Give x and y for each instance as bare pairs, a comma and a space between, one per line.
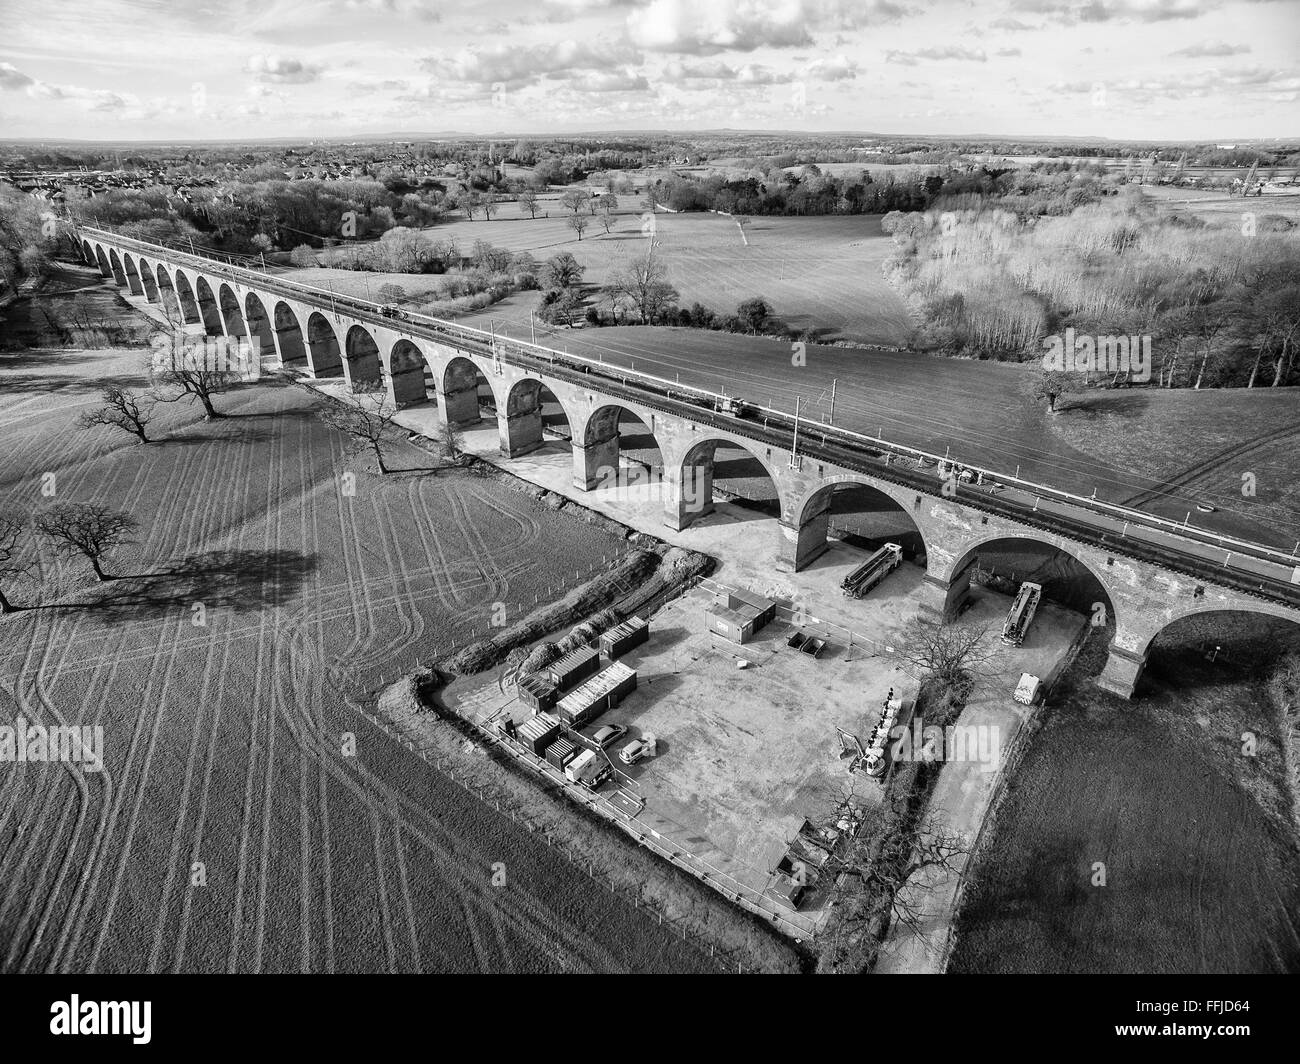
1075, 583
363, 362
406, 367
209, 312
132, 276
115, 267
148, 282
228, 304
88, 253
168, 298
812, 517
1250, 644
101, 260
715, 458
259, 326
185, 295
610, 432
1260, 608
288, 334
463, 388
324, 356
530, 409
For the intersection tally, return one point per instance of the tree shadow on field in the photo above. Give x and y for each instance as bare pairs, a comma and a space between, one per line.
1108, 402
12, 383
44, 356
238, 580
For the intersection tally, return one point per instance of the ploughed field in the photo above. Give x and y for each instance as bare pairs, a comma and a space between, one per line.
230, 830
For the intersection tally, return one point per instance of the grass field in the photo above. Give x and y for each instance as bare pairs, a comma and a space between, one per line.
1220, 208
818, 273
1201, 862
230, 830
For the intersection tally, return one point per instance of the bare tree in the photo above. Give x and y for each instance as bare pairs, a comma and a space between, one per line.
11, 531
86, 528
452, 438
1051, 384
645, 284
901, 868
528, 202
607, 218
368, 422
121, 410
953, 655
574, 199
198, 370
578, 223
1208, 320
489, 205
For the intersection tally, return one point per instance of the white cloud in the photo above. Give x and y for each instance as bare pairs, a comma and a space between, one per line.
515, 65
1208, 49
281, 69
975, 55
692, 27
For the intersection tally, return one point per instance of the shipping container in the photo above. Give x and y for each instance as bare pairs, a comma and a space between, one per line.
537, 732
622, 638
537, 692
728, 623
561, 752
574, 667
584, 704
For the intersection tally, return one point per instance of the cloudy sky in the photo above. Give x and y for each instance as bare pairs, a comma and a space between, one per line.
192, 69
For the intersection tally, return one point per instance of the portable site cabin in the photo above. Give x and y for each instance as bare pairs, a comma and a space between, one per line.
574, 667
622, 638
739, 615
538, 693
585, 703
537, 732
764, 609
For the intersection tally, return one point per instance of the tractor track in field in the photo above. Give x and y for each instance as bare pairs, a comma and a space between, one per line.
398, 574
1191, 474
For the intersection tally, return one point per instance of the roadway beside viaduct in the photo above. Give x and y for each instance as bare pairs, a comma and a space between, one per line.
313, 334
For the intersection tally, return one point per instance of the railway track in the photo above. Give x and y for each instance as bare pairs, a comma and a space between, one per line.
1088, 521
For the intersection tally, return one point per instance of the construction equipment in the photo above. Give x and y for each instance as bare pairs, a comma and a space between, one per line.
1028, 689
872, 571
1021, 614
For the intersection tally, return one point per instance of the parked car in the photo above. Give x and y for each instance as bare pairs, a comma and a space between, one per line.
609, 734
633, 752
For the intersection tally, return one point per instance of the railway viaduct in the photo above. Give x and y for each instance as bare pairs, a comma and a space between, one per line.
323, 336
